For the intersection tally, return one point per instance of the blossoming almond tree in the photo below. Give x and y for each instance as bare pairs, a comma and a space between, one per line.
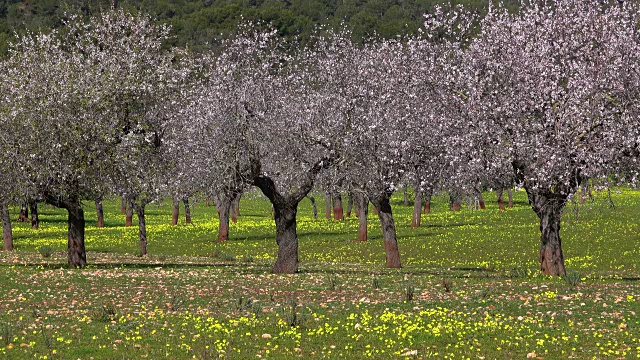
399, 122
265, 117
147, 86
542, 88
76, 94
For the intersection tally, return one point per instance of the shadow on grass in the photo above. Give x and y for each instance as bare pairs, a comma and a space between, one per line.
254, 268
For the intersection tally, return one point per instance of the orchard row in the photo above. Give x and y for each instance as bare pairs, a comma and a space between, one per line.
545, 98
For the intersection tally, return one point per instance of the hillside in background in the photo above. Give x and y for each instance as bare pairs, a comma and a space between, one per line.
199, 24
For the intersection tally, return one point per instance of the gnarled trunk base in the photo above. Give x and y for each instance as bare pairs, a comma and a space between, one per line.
548, 206
381, 202
287, 239
76, 254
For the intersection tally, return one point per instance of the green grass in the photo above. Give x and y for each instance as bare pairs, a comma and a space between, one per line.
476, 291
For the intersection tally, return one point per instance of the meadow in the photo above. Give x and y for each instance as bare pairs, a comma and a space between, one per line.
469, 287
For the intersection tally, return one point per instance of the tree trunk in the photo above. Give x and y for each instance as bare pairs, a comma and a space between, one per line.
7, 235
128, 216
76, 253
187, 210
417, 209
363, 213
548, 206
100, 212
381, 202
427, 201
510, 196
315, 207
454, 204
480, 199
123, 205
405, 195
338, 212
224, 208
142, 227
350, 204
286, 238
175, 212
285, 209
216, 203
23, 216
499, 192
35, 220
327, 205
235, 208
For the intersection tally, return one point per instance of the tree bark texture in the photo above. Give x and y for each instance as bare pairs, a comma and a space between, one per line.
7, 235
187, 210
100, 213
224, 209
427, 201
128, 216
349, 204
175, 213
327, 205
381, 202
286, 238
510, 197
338, 211
417, 209
315, 207
76, 253
23, 216
142, 227
236, 207
123, 205
363, 213
548, 206
499, 193
35, 220
405, 195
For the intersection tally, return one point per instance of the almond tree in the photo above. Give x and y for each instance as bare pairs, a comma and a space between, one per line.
400, 118
265, 117
74, 92
148, 87
59, 109
543, 89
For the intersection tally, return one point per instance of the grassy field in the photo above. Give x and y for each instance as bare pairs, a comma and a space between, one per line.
469, 287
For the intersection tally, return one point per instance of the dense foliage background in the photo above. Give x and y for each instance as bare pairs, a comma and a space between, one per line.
200, 24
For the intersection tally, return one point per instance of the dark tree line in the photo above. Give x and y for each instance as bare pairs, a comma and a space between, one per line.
203, 23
